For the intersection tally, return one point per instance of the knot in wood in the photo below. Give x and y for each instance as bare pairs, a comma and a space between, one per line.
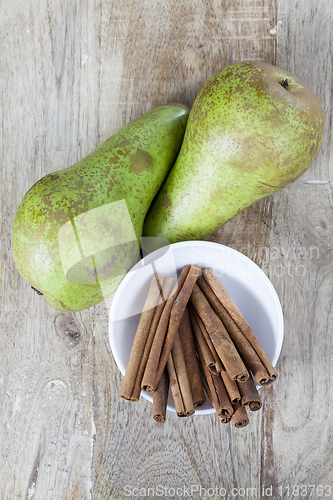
71, 330
67, 326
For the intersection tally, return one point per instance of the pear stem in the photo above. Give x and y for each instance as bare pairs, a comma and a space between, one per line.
284, 83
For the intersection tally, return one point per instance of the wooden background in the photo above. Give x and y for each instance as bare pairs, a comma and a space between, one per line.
72, 74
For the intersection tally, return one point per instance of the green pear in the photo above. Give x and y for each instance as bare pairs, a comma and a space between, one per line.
253, 129
77, 231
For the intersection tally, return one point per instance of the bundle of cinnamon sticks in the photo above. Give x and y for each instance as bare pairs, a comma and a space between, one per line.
193, 339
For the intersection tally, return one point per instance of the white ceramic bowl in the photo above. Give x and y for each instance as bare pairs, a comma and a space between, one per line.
245, 282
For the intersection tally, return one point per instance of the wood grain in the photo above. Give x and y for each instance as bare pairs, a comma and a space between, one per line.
73, 74
301, 269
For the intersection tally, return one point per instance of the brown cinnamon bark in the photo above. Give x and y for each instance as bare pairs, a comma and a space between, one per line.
207, 355
166, 290
160, 398
244, 347
182, 377
205, 384
220, 338
218, 393
240, 417
176, 314
239, 319
141, 337
218, 366
249, 394
174, 385
191, 360
222, 395
231, 387
224, 420
149, 377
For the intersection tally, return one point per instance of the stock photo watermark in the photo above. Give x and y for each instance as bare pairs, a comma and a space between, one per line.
294, 260
278, 261
198, 491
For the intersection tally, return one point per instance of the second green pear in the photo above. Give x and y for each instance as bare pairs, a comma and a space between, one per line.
253, 129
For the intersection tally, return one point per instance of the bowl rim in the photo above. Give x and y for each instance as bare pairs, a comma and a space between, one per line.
240, 255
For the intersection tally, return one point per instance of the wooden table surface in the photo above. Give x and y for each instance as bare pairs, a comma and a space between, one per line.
72, 74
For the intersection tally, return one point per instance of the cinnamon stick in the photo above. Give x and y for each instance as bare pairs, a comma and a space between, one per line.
220, 338
148, 382
207, 355
240, 417
191, 360
244, 347
231, 387
205, 384
222, 395
224, 419
218, 366
218, 393
249, 394
174, 385
166, 290
204, 377
176, 314
141, 337
182, 377
239, 319
160, 398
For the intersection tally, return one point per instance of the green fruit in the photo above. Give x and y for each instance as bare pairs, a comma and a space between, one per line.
77, 231
253, 129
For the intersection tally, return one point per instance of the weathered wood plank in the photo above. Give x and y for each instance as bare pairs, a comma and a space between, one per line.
301, 268
49, 119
